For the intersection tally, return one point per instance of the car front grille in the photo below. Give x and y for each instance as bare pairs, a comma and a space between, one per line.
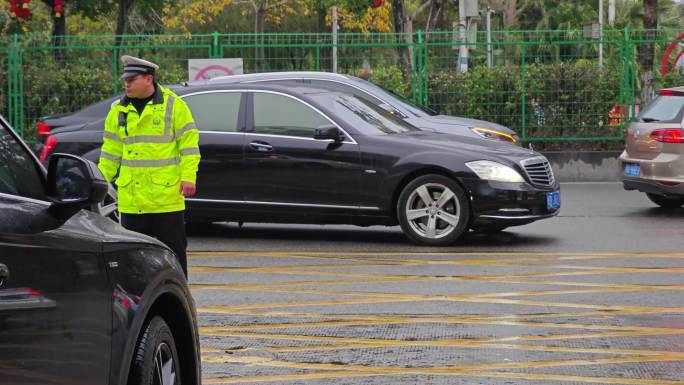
539, 171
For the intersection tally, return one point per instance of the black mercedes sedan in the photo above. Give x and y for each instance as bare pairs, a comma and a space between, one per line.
82, 300
423, 118
302, 154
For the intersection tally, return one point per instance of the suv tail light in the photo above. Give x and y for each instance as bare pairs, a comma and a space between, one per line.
670, 93
43, 129
50, 144
668, 135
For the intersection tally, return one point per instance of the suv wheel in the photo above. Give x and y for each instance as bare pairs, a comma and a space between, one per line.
663, 201
433, 210
156, 358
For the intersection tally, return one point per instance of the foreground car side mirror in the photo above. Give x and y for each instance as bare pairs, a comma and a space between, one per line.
73, 183
328, 132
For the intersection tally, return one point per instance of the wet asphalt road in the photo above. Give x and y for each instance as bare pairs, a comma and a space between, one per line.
593, 217
594, 295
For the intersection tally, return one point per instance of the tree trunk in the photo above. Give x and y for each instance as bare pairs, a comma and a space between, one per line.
509, 10
646, 51
434, 16
400, 16
321, 12
259, 19
58, 31
408, 28
122, 20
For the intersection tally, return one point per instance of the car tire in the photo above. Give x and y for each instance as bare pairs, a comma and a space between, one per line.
429, 219
156, 357
665, 202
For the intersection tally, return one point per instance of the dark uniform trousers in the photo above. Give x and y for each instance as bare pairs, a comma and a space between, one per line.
169, 228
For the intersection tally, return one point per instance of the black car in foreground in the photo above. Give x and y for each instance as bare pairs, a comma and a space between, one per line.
82, 300
305, 154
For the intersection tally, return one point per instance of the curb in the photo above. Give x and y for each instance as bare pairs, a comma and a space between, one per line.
584, 166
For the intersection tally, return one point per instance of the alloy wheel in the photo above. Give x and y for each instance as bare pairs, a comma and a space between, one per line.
164, 365
433, 210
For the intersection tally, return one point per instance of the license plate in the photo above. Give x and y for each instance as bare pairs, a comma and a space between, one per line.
632, 169
553, 200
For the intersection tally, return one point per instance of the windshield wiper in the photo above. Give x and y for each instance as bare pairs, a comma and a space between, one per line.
649, 120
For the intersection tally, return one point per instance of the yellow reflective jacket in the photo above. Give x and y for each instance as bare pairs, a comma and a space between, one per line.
152, 153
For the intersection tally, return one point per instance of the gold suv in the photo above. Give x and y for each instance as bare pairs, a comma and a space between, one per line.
653, 160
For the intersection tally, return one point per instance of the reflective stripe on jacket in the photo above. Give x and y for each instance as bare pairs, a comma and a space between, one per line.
152, 153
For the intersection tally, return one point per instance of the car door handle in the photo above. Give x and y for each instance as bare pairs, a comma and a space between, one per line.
4, 274
260, 146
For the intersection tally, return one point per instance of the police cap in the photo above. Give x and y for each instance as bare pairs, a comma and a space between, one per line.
134, 66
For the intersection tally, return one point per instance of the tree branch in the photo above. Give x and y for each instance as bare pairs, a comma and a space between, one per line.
420, 10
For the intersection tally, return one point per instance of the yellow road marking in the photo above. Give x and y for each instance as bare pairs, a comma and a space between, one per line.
441, 320
314, 254
290, 270
473, 345
599, 313
444, 369
476, 370
388, 298
287, 377
448, 342
381, 259
568, 378
283, 289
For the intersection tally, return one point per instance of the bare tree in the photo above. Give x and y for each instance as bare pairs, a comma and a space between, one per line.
261, 9
122, 19
404, 12
434, 14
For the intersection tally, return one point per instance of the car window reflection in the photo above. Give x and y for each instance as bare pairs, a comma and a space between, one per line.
376, 119
281, 115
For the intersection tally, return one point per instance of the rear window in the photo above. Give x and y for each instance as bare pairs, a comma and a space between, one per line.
667, 109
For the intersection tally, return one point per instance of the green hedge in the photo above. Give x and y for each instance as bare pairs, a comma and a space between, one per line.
575, 98
560, 100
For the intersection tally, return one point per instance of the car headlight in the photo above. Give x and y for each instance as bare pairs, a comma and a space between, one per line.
493, 171
489, 133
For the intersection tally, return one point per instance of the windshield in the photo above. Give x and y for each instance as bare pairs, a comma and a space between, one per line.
666, 109
394, 98
368, 117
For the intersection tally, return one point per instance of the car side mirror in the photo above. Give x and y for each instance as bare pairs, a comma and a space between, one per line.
328, 132
73, 183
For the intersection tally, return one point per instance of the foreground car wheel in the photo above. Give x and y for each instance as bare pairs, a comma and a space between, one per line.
433, 210
663, 201
156, 358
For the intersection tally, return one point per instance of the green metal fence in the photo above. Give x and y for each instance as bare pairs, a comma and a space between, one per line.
547, 85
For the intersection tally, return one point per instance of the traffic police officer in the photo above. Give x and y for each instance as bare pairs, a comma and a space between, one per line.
151, 140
